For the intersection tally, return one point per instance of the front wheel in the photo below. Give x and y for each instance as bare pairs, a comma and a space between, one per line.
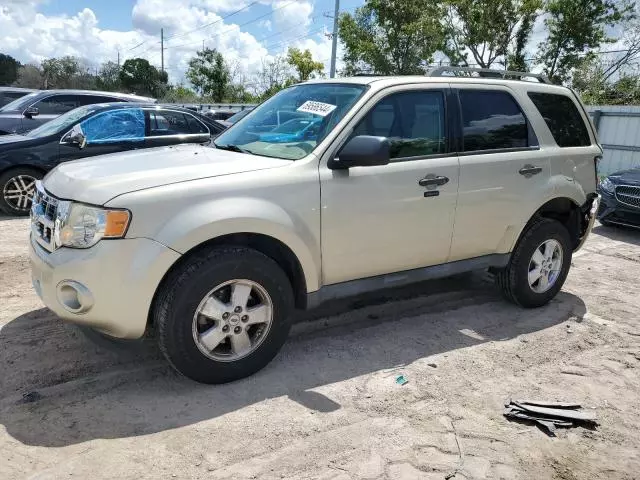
539, 265
223, 314
16, 190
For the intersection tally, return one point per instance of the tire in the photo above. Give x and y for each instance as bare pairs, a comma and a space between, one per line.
186, 290
513, 280
9, 182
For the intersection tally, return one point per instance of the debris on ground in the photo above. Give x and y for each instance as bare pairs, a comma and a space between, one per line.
550, 415
400, 380
30, 397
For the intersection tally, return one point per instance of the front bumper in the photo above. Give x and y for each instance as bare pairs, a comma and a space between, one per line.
612, 211
109, 287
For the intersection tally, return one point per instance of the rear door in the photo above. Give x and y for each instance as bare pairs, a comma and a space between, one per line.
502, 171
171, 127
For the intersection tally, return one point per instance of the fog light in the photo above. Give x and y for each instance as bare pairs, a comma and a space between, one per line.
74, 297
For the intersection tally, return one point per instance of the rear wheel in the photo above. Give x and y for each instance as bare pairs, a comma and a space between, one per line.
539, 265
224, 314
16, 190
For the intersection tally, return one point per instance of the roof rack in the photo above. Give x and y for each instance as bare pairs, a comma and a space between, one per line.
488, 73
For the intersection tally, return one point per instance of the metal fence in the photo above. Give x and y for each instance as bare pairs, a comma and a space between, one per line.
619, 132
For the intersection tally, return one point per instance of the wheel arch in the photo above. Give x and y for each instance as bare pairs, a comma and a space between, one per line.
563, 209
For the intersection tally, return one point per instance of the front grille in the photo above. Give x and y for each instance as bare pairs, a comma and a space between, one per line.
629, 195
44, 210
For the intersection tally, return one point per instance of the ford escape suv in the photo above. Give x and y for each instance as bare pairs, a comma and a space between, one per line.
401, 179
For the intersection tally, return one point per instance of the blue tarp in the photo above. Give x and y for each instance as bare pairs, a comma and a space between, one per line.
125, 124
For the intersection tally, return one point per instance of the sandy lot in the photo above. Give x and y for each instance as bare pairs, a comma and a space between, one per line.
328, 407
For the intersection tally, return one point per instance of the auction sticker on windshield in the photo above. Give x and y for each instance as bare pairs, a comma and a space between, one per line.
319, 108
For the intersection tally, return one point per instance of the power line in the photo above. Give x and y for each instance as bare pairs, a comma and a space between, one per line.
201, 27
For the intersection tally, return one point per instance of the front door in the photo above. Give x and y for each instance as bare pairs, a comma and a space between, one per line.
383, 219
106, 132
49, 108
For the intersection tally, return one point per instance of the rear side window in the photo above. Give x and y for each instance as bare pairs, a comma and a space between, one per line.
492, 120
563, 119
165, 122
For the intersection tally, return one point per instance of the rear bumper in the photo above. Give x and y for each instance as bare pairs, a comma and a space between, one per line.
612, 211
591, 218
109, 287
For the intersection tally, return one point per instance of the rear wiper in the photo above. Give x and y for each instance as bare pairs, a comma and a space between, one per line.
232, 148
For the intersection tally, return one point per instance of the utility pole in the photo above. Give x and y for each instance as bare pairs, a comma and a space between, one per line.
334, 38
162, 48
118, 58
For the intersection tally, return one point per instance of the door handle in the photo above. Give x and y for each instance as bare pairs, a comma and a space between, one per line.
529, 170
433, 180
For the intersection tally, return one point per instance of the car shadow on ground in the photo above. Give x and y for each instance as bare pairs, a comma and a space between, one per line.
64, 391
619, 233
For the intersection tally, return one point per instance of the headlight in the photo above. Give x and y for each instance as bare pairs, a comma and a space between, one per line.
607, 186
82, 226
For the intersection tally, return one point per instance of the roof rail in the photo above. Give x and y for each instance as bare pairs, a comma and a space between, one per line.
488, 73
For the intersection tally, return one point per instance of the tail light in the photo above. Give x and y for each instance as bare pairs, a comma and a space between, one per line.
596, 167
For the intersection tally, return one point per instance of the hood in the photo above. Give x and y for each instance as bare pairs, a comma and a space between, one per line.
627, 177
99, 179
10, 138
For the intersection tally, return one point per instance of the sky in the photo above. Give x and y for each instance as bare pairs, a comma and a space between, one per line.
95, 30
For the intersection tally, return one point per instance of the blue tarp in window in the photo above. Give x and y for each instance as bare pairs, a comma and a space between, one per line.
115, 126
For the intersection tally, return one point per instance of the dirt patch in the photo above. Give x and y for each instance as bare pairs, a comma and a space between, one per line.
329, 406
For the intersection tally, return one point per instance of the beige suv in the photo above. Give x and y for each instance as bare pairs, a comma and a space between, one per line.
329, 189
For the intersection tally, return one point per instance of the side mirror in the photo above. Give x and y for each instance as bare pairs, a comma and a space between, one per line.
31, 112
75, 136
362, 151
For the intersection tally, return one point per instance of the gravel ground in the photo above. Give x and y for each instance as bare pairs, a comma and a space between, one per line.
328, 407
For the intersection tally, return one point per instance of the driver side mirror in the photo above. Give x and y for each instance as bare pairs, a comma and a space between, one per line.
31, 112
362, 151
75, 136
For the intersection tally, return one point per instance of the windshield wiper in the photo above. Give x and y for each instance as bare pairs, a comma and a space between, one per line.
232, 148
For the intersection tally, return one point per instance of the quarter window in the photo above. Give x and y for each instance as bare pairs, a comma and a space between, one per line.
492, 120
57, 104
562, 118
414, 123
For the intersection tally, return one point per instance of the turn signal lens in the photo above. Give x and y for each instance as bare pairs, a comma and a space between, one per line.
116, 224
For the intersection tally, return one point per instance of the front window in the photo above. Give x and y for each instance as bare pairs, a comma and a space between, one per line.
63, 122
19, 103
293, 122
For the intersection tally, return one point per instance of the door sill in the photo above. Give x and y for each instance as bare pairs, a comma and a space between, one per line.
398, 279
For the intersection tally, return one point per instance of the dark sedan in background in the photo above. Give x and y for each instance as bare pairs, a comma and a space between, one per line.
9, 94
620, 203
87, 131
36, 108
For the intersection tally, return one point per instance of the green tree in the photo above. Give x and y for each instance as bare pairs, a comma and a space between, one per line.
30, 76
137, 75
59, 72
209, 74
8, 69
490, 30
575, 28
109, 77
392, 36
303, 63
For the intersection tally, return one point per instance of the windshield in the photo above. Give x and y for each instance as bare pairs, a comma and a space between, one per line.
293, 122
63, 122
17, 104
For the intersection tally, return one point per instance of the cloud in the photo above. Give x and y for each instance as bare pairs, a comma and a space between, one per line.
31, 36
